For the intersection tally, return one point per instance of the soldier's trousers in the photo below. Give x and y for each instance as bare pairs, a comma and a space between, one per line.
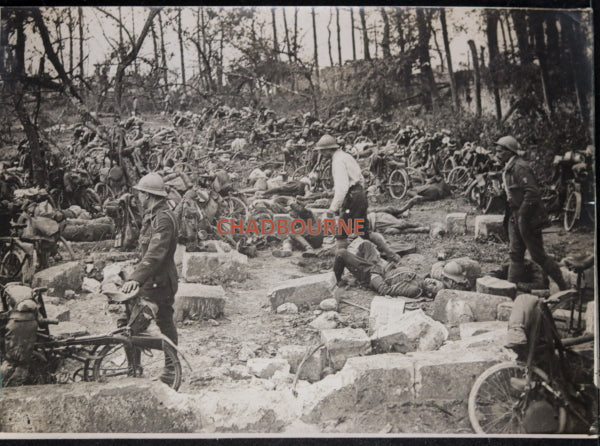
164, 298
522, 236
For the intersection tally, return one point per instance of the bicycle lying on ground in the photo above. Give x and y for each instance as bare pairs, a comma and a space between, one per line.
125, 352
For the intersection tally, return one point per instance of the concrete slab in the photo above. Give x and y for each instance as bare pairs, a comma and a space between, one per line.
488, 225
59, 278
304, 290
344, 343
495, 286
200, 301
484, 307
214, 267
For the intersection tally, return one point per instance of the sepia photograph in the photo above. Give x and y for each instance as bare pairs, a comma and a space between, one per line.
297, 221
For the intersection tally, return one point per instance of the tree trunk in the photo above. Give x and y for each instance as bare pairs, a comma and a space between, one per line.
385, 40
121, 43
180, 38
552, 40
71, 26
437, 47
163, 53
80, 12
482, 57
315, 53
287, 35
492, 38
477, 77
337, 32
58, 26
295, 33
275, 43
508, 31
453, 91
220, 64
536, 24
363, 23
519, 18
135, 62
155, 63
504, 43
352, 31
330, 53
429, 89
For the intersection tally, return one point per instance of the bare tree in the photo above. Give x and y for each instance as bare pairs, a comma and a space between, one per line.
429, 89
329, 38
275, 43
181, 49
365, 35
163, 52
453, 92
385, 40
315, 46
477, 76
492, 38
352, 31
295, 33
337, 32
80, 13
287, 35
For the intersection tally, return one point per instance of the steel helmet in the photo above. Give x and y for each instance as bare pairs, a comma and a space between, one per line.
509, 143
153, 184
326, 142
454, 271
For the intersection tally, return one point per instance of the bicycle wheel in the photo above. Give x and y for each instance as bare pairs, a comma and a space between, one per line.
458, 176
447, 167
113, 363
154, 162
398, 183
234, 208
495, 407
104, 191
572, 210
300, 172
12, 264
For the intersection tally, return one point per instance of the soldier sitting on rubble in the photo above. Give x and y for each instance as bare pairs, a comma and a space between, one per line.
384, 277
306, 242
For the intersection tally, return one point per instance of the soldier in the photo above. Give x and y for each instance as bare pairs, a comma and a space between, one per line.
156, 273
526, 215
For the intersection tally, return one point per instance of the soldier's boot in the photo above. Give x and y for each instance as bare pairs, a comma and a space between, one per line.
553, 270
168, 374
515, 271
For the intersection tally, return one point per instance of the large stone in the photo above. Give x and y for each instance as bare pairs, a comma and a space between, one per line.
344, 343
59, 312
413, 331
385, 311
313, 365
304, 290
287, 308
266, 367
214, 267
199, 301
130, 405
459, 311
329, 304
490, 340
484, 307
90, 285
490, 225
498, 287
471, 329
456, 223
58, 278
68, 329
504, 310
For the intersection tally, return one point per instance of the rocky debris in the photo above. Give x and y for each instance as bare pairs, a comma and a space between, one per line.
413, 331
504, 310
385, 311
90, 285
471, 329
326, 321
287, 308
197, 301
58, 312
128, 405
437, 230
304, 290
459, 311
247, 351
214, 267
456, 223
265, 367
490, 225
101, 259
238, 372
59, 278
344, 343
590, 317
69, 294
329, 304
498, 287
313, 366
68, 329
490, 340
483, 307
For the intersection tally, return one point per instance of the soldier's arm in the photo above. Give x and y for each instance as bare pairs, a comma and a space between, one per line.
528, 184
157, 250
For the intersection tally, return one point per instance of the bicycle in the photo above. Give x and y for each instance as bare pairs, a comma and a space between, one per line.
580, 197
393, 175
552, 391
101, 357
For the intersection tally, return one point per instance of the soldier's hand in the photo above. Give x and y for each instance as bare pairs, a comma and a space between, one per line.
130, 286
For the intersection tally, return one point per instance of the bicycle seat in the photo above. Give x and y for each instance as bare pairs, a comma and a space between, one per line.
579, 263
119, 297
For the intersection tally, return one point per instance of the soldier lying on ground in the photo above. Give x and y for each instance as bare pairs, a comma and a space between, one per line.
384, 277
306, 242
435, 189
387, 223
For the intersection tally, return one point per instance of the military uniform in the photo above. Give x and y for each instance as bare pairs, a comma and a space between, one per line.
156, 273
527, 217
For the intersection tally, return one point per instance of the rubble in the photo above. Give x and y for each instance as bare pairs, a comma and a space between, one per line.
504, 310
194, 300
344, 343
456, 223
498, 287
90, 285
384, 311
470, 329
287, 308
490, 225
58, 312
214, 267
484, 307
304, 290
265, 367
313, 366
325, 321
329, 304
413, 331
59, 278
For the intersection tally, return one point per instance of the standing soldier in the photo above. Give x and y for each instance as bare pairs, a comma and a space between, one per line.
349, 195
156, 273
526, 215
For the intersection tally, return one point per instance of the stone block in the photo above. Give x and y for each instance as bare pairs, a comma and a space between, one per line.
491, 340
413, 331
313, 366
344, 343
199, 301
385, 311
68, 329
498, 287
456, 223
304, 290
328, 304
59, 312
60, 278
265, 368
471, 329
504, 310
459, 311
484, 307
590, 317
90, 285
214, 267
489, 225
448, 375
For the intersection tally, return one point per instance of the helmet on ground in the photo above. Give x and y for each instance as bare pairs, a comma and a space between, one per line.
454, 271
326, 142
152, 184
509, 143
